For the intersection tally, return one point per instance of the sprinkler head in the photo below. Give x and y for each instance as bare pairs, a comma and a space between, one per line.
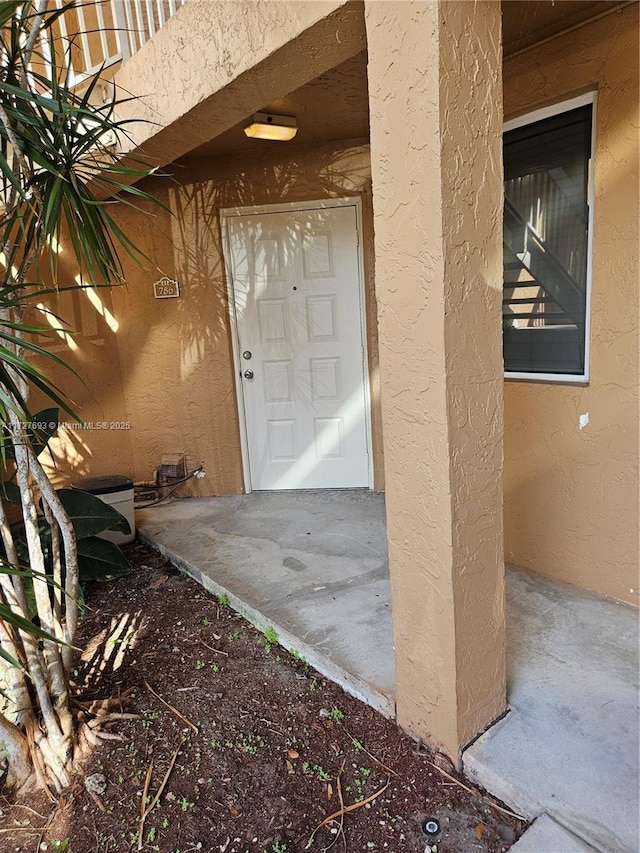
431, 826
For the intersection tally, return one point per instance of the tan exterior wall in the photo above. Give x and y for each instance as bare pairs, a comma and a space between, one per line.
571, 495
437, 189
177, 387
87, 341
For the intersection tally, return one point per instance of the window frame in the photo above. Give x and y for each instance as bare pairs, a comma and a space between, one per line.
531, 118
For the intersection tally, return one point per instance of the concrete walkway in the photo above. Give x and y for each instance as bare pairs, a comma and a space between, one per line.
312, 564
569, 746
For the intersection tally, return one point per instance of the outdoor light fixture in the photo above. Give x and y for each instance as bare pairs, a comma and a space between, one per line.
269, 126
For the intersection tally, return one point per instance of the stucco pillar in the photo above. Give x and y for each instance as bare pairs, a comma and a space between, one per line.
436, 123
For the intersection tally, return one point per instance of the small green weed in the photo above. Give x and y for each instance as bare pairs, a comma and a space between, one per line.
336, 715
271, 638
315, 770
295, 654
249, 743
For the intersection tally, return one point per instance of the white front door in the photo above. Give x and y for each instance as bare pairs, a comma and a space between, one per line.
301, 349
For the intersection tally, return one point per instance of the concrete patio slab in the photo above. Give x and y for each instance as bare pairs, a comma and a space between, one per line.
546, 836
569, 746
312, 564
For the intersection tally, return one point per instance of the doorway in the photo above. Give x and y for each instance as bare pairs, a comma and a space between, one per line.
297, 310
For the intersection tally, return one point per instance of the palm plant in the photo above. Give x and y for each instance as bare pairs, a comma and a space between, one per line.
55, 173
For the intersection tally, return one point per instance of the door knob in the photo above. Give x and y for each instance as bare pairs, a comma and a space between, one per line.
248, 374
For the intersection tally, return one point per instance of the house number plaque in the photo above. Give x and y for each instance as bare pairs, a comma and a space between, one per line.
166, 288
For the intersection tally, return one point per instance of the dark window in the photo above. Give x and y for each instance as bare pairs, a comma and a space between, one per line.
546, 230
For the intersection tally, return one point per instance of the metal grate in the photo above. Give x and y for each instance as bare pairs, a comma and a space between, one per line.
173, 466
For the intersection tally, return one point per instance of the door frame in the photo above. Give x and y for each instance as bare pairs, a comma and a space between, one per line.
322, 204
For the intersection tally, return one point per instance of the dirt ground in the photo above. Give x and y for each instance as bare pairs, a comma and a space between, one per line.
255, 755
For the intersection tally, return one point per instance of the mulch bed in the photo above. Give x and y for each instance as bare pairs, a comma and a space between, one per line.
264, 748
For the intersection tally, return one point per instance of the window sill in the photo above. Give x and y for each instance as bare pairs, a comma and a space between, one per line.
552, 378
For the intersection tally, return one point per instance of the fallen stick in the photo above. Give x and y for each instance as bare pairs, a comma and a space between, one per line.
29, 809
340, 831
143, 803
171, 708
96, 799
165, 780
476, 793
145, 812
217, 651
366, 751
145, 790
345, 810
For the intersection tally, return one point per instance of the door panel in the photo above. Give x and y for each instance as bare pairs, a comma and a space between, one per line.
298, 319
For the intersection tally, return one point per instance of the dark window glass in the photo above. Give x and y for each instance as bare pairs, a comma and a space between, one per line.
546, 225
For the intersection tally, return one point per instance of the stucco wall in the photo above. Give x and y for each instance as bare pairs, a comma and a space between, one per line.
434, 82
571, 495
87, 341
175, 354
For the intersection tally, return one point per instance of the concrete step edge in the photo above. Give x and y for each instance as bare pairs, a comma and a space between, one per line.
353, 685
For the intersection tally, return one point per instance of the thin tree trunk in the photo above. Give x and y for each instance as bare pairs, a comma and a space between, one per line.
17, 749
41, 586
56, 558
12, 557
14, 676
72, 572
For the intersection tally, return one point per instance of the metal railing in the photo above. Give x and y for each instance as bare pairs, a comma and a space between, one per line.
100, 33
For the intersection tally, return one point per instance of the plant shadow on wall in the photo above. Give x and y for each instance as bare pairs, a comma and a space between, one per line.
55, 168
82, 332
178, 363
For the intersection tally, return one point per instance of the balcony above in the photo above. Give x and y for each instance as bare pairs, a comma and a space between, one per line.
102, 34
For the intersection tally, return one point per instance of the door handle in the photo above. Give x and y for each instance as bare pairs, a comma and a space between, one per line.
248, 374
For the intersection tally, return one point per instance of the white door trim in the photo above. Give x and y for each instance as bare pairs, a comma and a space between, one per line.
228, 212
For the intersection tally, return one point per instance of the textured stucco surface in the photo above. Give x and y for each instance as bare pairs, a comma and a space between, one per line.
571, 495
165, 365
87, 343
436, 119
217, 62
170, 362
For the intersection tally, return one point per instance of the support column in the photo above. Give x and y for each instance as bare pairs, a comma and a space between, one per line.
435, 88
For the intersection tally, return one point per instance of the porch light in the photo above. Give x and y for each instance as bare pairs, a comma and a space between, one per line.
269, 126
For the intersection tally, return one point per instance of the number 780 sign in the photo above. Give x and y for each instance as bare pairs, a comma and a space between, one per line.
166, 288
